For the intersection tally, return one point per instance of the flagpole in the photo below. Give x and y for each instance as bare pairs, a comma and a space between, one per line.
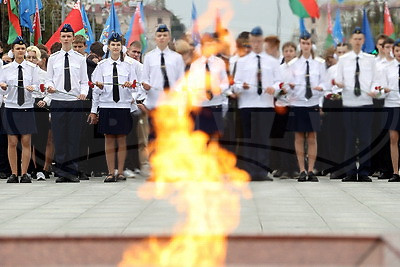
278, 20
62, 10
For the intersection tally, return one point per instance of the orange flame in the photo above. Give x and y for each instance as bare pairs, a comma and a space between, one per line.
197, 176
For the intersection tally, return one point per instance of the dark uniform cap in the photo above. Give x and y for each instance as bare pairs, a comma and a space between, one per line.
397, 42
305, 35
115, 37
357, 30
19, 41
257, 31
162, 28
67, 28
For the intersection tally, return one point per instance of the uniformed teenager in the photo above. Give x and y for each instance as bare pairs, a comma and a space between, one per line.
390, 81
18, 80
257, 80
308, 83
113, 96
162, 68
67, 82
209, 80
355, 75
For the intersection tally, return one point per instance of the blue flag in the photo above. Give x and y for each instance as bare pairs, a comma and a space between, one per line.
88, 29
337, 32
369, 44
26, 9
195, 27
111, 26
302, 26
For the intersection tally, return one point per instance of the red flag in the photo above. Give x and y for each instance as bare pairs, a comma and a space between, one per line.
219, 29
14, 29
329, 19
74, 18
137, 27
388, 24
36, 27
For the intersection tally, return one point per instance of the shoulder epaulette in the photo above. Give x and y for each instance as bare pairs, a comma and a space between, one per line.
345, 55
55, 53
291, 62
6, 66
77, 53
368, 55
128, 60
102, 61
31, 64
319, 59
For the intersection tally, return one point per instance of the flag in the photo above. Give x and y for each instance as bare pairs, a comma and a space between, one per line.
388, 28
302, 26
369, 44
37, 36
219, 29
329, 39
88, 29
74, 18
136, 29
195, 26
111, 26
27, 8
305, 8
337, 29
14, 29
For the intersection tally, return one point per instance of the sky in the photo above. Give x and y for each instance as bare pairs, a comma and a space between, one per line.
246, 14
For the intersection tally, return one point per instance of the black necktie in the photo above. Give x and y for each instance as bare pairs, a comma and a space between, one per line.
115, 83
67, 74
259, 82
357, 87
308, 84
209, 92
164, 73
21, 93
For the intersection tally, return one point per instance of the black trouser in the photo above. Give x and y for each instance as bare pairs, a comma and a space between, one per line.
132, 143
66, 125
254, 153
282, 154
357, 126
4, 164
39, 140
232, 128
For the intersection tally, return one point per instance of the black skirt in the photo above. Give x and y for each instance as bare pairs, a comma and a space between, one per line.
19, 121
393, 120
209, 120
304, 119
115, 121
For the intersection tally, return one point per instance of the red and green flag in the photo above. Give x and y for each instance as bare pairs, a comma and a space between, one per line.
388, 28
329, 39
14, 29
37, 36
305, 8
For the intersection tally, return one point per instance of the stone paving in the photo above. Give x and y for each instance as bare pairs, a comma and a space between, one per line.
279, 207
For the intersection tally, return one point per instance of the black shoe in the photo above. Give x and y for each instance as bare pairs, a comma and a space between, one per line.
73, 179
3, 175
395, 178
312, 177
302, 177
285, 175
33, 175
25, 179
261, 178
385, 176
62, 180
110, 179
364, 178
47, 174
350, 178
13, 179
83, 176
335, 175
278, 173
121, 177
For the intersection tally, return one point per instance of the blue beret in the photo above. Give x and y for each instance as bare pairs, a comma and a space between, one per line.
257, 31
67, 28
357, 30
397, 42
115, 37
305, 35
162, 28
19, 41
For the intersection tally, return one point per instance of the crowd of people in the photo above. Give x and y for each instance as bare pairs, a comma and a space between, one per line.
280, 110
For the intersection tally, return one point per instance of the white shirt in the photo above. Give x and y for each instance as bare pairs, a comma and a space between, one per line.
218, 76
390, 79
140, 93
9, 75
284, 100
153, 76
246, 72
317, 72
103, 73
42, 80
78, 74
346, 76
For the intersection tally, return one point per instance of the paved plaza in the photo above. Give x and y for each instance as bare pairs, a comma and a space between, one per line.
279, 207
